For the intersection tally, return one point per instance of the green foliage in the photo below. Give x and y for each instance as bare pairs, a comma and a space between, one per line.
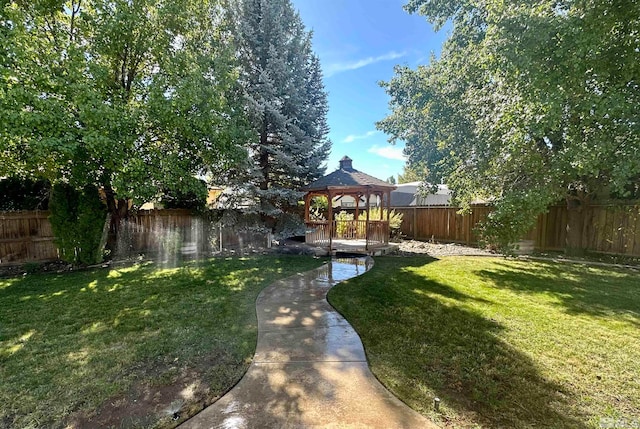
513, 216
391, 180
193, 197
344, 223
528, 104
24, 194
395, 219
77, 219
319, 208
129, 96
410, 173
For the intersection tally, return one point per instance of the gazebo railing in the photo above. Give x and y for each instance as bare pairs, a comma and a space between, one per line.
350, 229
318, 232
378, 232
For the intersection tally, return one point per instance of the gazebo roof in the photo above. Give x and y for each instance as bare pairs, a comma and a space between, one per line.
347, 177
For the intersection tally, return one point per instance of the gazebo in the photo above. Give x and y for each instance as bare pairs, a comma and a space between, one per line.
349, 235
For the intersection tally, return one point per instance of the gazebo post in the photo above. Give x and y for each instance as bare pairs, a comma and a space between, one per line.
366, 234
357, 198
330, 198
307, 203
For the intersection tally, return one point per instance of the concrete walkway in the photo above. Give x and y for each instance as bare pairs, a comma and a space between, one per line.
309, 370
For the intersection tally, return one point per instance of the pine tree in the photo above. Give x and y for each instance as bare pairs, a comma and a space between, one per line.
287, 104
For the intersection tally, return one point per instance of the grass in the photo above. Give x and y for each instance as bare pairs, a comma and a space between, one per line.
502, 343
131, 347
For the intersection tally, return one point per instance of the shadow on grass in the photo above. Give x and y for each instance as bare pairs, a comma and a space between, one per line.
422, 343
75, 344
594, 291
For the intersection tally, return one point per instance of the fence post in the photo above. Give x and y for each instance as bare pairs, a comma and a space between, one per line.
467, 231
543, 232
220, 230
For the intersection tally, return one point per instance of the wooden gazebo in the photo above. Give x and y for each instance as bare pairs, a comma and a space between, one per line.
345, 235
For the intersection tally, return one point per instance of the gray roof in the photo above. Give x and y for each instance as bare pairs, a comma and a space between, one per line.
402, 199
347, 177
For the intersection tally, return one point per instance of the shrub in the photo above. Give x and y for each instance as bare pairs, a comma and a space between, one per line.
395, 219
77, 219
342, 226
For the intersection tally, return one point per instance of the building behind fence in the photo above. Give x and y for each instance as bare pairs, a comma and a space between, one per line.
27, 236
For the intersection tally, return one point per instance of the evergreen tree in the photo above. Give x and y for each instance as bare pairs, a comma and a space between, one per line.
286, 101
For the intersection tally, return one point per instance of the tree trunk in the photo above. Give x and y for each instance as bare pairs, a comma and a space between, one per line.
575, 241
263, 161
119, 211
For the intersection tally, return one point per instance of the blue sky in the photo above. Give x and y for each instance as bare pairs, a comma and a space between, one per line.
359, 42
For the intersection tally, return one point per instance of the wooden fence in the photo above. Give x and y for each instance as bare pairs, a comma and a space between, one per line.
611, 229
27, 236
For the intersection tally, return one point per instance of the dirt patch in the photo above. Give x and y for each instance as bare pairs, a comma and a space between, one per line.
415, 248
166, 395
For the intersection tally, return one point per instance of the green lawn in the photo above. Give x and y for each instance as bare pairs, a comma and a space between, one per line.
129, 347
503, 343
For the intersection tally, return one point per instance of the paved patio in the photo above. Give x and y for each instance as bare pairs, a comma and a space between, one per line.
310, 368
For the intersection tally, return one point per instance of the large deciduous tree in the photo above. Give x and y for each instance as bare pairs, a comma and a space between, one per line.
287, 104
134, 97
529, 103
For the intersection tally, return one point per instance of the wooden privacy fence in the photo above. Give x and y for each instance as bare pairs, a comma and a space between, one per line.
26, 236
611, 229
177, 231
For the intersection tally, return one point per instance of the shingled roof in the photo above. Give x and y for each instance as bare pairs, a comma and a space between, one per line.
347, 177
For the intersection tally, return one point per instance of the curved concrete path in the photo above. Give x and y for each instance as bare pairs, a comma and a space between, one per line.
310, 369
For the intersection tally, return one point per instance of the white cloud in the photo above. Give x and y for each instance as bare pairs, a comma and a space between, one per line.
353, 137
389, 152
335, 68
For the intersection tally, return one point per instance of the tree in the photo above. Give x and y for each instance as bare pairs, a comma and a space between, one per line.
133, 97
529, 103
391, 180
410, 173
283, 87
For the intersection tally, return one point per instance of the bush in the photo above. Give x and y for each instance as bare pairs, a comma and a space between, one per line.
77, 219
395, 219
342, 226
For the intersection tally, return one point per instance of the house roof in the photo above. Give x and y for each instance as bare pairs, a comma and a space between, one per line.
407, 195
402, 199
347, 177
